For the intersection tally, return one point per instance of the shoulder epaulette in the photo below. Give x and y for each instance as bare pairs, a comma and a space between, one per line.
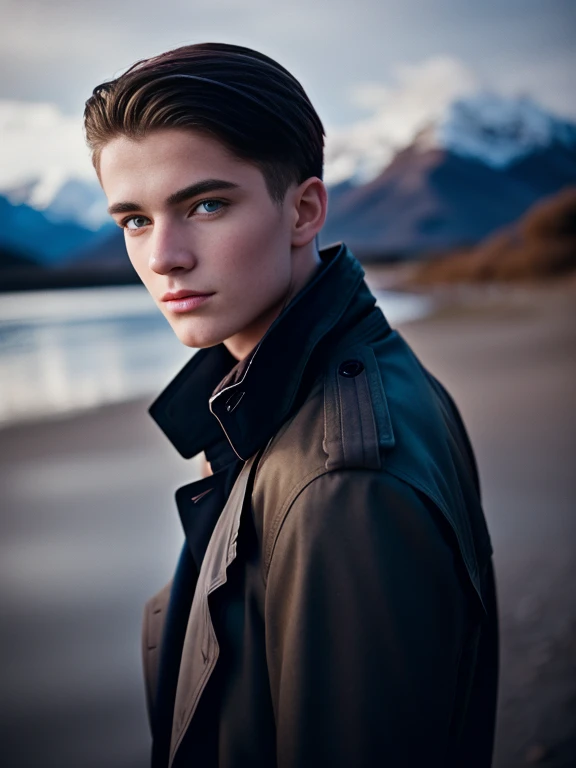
357, 423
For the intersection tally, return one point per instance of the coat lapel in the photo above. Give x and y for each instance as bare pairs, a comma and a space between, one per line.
200, 650
152, 626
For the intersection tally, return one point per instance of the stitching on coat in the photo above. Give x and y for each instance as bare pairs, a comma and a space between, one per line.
357, 380
471, 567
279, 517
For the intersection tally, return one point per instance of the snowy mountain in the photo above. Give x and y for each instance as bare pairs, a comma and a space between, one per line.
499, 132
79, 201
479, 167
471, 165
490, 128
27, 231
63, 200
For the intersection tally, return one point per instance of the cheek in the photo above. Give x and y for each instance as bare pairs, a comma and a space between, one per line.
138, 256
132, 251
257, 254
256, 275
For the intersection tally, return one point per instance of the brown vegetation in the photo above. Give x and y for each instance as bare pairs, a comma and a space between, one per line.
541, 244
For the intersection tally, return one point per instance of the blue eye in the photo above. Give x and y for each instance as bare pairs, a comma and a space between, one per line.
210, 206
135, 220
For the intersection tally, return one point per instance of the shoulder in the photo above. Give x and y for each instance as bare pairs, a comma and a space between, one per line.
375, 429
356, 505
371, 408
343, 423
358, 522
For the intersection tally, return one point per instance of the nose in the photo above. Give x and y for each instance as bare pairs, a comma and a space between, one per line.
170, 251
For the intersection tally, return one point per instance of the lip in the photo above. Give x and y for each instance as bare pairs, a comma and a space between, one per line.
183, 294
185, 300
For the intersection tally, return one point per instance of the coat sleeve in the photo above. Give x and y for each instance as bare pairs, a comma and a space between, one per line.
365, 620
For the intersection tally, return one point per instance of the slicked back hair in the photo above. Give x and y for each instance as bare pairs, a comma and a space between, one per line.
241, 97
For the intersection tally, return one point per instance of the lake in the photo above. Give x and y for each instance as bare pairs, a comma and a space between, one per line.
68, 350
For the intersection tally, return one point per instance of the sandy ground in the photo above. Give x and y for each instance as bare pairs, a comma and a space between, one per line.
511, 365
88, 530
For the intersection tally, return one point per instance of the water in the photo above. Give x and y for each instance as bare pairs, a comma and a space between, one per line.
63, 351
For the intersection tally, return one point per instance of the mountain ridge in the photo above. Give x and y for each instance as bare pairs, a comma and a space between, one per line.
479, 167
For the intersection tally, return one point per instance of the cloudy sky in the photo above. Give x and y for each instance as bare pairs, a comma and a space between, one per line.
355, 58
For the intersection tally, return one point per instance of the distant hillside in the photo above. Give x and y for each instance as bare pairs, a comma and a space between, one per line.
430, 200
480, 167
13, 259
492, 129
105, 263
17, 269
24, 229
541, 244
71, 200
109, 252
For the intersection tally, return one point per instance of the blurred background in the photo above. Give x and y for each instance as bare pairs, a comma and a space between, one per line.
451, 165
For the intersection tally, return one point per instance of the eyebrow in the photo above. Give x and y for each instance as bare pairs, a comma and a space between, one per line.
199, 188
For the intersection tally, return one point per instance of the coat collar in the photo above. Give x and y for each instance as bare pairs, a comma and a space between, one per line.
249, 400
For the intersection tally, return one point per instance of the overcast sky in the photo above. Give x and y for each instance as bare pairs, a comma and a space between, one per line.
347, 54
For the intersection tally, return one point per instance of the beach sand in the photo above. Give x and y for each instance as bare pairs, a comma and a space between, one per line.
89, 530
510, 363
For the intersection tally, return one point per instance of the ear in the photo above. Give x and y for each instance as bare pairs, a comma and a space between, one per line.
310, 208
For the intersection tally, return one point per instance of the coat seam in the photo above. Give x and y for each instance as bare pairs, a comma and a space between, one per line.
279, 518
471, 567
414, 483
360, 417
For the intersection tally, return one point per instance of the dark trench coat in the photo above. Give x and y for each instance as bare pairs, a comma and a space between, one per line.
334, 604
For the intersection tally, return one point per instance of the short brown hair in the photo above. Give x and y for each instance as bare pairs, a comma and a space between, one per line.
254, 106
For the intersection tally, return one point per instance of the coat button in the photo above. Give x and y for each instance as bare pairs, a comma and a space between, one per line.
350, 368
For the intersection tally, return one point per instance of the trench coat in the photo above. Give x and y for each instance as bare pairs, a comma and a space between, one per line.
342, 608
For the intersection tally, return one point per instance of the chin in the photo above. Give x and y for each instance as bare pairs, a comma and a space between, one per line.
197, 341
195, 337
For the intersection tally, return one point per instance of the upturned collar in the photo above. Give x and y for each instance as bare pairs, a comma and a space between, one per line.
248, 401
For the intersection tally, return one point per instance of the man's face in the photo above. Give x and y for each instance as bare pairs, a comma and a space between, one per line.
226, 240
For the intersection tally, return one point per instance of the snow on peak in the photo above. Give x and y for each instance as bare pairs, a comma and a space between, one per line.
498, 130
81, 201
495, 129
45, 163
419, 93
62, 199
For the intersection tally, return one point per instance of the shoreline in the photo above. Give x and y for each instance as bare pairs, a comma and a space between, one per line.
64, 354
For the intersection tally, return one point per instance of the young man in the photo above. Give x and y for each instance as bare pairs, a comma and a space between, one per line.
334, 602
